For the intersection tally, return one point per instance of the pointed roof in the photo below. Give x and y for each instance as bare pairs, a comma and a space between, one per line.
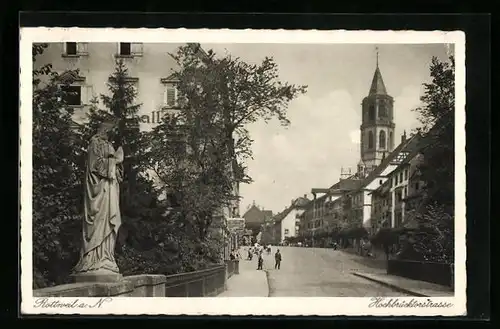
377, 87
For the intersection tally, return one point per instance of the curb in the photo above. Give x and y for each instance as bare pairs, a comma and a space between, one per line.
389, 285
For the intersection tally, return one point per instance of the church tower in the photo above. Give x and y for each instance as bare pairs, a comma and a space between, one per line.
377, 127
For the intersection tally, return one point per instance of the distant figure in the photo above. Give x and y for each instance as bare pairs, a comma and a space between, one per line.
260, 262
277, 258
232, 255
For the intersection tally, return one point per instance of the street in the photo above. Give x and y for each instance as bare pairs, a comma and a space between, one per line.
317, 272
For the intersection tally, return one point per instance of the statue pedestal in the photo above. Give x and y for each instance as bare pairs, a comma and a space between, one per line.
96, 276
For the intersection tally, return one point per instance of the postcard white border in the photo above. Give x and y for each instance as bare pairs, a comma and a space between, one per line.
326, 306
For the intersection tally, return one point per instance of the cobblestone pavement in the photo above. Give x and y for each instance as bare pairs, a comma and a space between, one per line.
317, 272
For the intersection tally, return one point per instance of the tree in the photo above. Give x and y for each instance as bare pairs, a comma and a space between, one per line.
435, 235
437, 116
218, 97
56, 179
435, 238
232, 93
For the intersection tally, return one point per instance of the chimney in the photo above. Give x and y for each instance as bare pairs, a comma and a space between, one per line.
403, 137
305, 196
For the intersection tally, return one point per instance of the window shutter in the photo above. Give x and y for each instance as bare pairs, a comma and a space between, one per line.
136, 49
88, 94
82, 48
170, 95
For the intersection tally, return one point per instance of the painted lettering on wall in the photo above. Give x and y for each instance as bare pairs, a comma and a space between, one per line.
155, 117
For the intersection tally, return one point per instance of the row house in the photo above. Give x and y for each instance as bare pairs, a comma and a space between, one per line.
328, 213
381, 207
361, 212
286, 223
399, 194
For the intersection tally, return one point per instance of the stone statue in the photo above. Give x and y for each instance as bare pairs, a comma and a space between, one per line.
102, 217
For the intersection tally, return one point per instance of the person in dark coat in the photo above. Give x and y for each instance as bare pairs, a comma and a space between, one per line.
260, 261
277, 258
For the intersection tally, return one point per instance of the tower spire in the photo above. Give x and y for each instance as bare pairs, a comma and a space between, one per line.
377, 87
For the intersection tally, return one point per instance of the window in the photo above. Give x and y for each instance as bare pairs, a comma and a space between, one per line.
72, 95
382, 110
406, 174
417, 186
380, 182
125, 49
406, 192
401, 177
382, 139
71, 48
390, 140
170, 96
286, 231
370, 140
371, 113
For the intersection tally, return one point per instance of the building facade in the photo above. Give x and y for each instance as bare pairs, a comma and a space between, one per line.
255, 218
150, 67
286, 223
381, 210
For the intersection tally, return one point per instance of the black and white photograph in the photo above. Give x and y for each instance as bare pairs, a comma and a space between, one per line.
317, 167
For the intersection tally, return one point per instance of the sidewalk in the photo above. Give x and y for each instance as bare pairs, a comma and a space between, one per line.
408, 286
249, 283
366, 264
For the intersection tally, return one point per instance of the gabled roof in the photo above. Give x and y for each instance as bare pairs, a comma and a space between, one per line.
350, 183
70, 77
377, 87
267, 213
300, 202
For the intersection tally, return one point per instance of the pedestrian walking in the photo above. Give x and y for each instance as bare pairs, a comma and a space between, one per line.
260, 262
277, 258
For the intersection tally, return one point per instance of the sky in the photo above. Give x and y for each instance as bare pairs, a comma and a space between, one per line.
324, 132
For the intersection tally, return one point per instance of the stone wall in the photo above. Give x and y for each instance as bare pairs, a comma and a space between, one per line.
131, 286
204, 283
